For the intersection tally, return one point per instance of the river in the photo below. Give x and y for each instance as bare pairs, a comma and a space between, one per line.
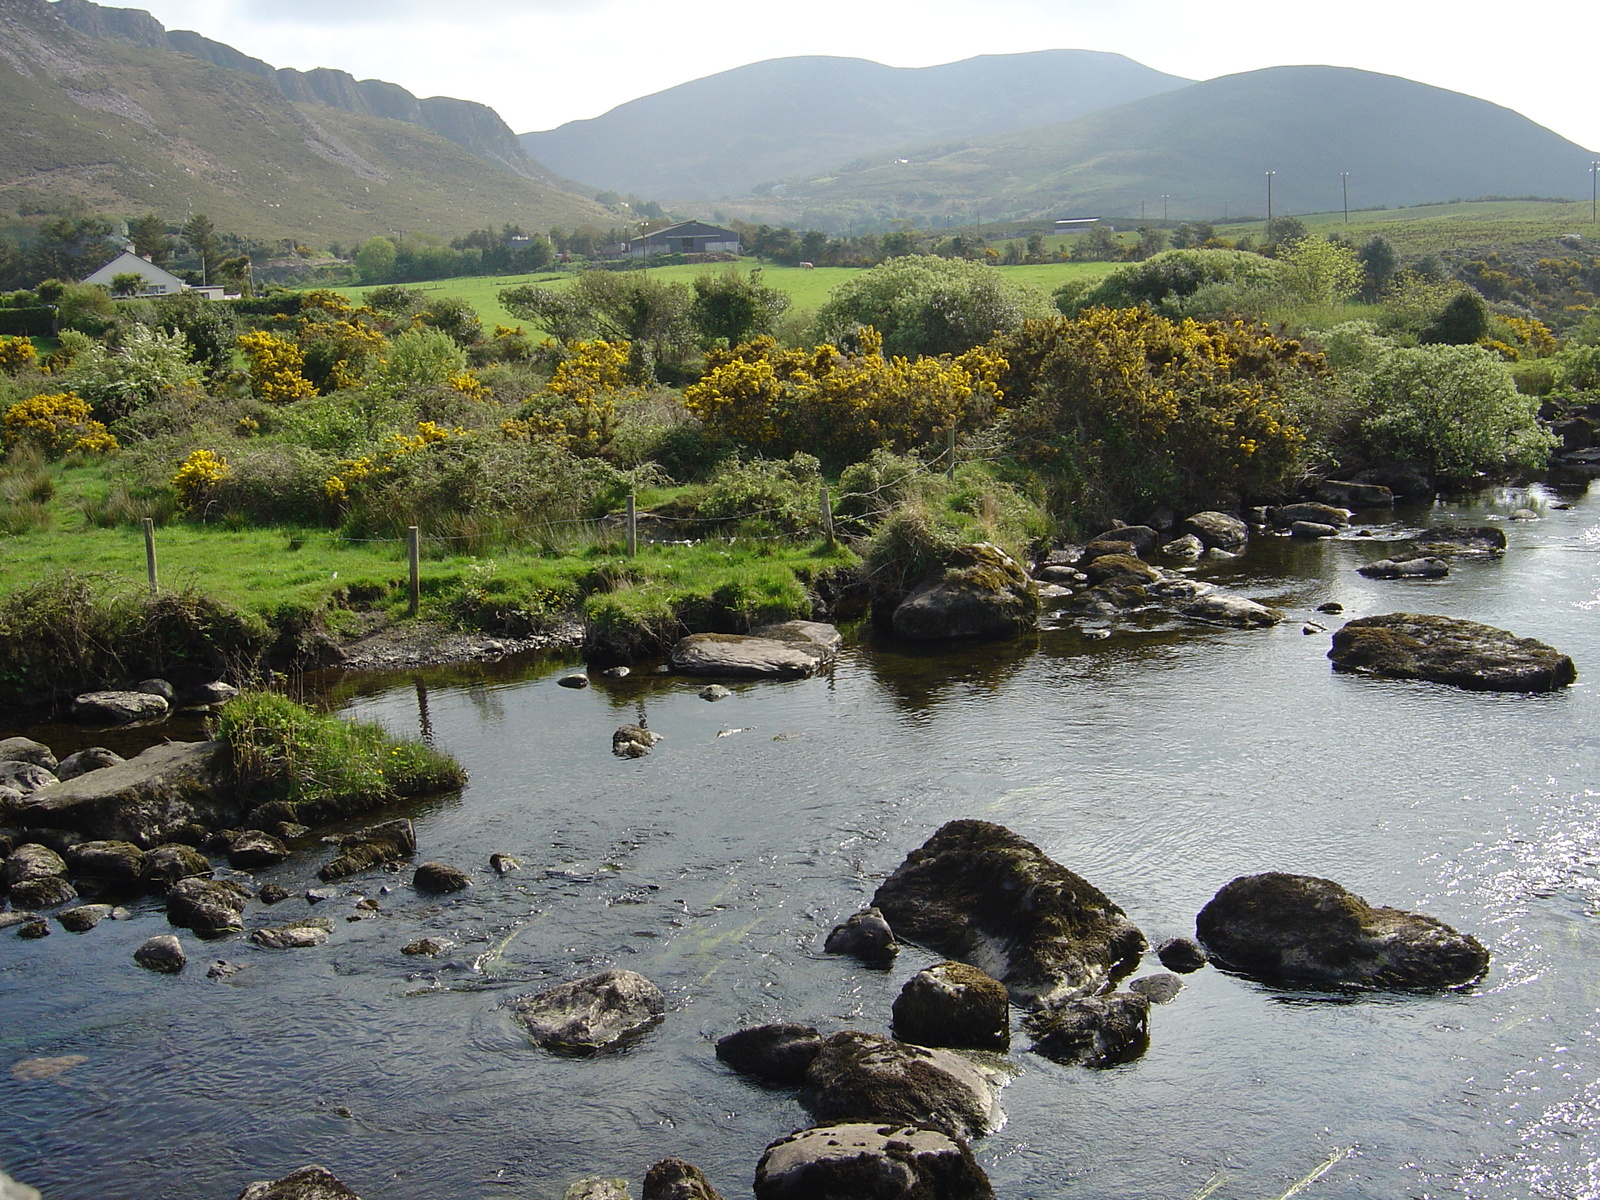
1159, 763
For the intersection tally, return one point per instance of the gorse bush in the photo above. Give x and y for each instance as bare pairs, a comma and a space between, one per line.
1124, 407
55, 424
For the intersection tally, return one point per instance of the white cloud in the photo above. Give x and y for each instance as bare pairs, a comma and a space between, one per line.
543, 62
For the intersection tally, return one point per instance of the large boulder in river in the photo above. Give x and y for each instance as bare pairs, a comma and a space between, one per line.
870, 1161
387, 842
1449, 650
978, 893
1219, 531
1355, 495
791, 650
145, 800
865, 935
1299, 930
210, 907
674, 1179
778, 1054
866, 1077
120, 864
24, 749
980, 592
953, 1004
1474, 541
118, 708
1094, 1031
308, 1183
1421, 566
28, 862
1236, 612
591, 1013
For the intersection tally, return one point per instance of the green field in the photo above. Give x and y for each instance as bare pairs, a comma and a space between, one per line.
807, 288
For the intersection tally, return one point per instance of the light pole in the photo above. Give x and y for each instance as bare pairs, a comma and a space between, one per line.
1270, 174
1344, 177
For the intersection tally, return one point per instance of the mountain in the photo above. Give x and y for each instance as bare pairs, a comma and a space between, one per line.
727, 133
464, 122
131, 128
1207, 149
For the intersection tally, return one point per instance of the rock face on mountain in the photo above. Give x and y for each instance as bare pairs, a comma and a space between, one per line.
980, 894
475, 127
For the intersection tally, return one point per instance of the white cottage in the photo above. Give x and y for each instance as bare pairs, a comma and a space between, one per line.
157, 280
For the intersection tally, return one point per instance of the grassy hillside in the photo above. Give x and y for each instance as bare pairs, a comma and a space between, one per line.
1207, 148
727, 133
127, 129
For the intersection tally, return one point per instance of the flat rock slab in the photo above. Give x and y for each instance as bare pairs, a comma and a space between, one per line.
1299, 930
144, 800
1423, 566
870, 1161
591, 1013
1448, 650
118, 708
792, 650
978, 893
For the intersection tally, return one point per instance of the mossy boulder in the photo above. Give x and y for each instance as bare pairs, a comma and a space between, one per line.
953, 1004
978, 893
981, 592
870, 1161
1300, 930
1094, 1031
1464, 654
867, 1077
779, 1054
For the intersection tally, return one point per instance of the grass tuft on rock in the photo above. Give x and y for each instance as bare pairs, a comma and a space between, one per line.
325, 766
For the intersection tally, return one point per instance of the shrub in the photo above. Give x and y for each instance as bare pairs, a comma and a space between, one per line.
1174, 275
1578, 368
197, 480
56, 423
1450, 409
16, 353
277, 367
144, 367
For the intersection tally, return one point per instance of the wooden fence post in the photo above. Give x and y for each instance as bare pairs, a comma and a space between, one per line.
414, 547
827, 515
633, 526
150, 551
950, 467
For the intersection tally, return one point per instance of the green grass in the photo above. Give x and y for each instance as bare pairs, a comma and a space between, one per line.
1430, 228
325, 766
807, 289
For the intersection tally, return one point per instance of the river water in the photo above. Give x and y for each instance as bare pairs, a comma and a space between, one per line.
1159, 763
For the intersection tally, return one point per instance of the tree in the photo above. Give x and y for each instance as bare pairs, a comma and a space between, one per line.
927, 305
1378, 263
736, 308
1098, 243
613, 306
1151, 242
1461, 322
208, 327
1174, 275
1192, 235
1283, 230
1319, 271
201, 234
375, 260
149, 236
126, 283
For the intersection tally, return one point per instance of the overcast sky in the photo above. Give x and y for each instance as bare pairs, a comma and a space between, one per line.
543, 62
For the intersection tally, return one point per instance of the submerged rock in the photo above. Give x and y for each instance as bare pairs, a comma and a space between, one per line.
440, 879
978, 893
1420, 567
308, 1183
1181, 954
162, 953
1158, 989
866, 935
93, 759
1237, 612
1094, 1031
674, 1179
1300, 930
387, 842
1355, 495
865, 1077
981, 592
1448, 650
1447, 540
870, 1161
953, 1004
296, 935
633, 741
791, 650
597, 1187
591, 1013
83, 917
210, 907
779, 1054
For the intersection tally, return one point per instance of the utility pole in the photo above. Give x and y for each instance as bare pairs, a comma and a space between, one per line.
1594, 184
1344, 177
1164, 200
1270, 174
